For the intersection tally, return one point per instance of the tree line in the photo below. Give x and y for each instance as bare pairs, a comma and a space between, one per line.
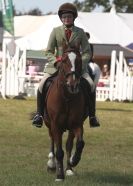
123, 6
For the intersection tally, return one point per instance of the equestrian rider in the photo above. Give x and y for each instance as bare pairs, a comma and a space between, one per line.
74, 36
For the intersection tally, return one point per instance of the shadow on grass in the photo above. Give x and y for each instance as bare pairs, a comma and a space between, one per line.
109, 178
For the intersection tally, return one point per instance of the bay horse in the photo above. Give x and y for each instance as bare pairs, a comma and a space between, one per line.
65, 106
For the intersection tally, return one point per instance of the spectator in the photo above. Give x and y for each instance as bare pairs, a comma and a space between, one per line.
105, 72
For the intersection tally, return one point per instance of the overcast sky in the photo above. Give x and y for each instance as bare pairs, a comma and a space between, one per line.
44, 5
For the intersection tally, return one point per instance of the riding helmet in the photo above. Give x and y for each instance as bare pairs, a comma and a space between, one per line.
68, 7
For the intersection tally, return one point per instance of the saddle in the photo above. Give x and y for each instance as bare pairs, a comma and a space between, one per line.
85, 87
48, 83
45, 89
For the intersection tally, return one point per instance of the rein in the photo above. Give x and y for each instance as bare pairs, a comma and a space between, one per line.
69, 73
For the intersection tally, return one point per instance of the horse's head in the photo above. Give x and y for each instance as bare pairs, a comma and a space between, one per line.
70, 69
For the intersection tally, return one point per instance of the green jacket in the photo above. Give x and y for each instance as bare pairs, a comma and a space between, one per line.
55, 49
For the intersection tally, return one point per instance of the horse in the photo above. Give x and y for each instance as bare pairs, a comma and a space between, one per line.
65, 107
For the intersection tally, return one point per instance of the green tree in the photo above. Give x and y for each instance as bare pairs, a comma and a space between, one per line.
79, 5
90, 5
124, 5
35, 11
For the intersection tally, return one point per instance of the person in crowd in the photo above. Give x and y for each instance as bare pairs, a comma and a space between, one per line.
73, 36
105, 72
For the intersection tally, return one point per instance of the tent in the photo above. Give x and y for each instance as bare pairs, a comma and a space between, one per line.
130, 46
32, 32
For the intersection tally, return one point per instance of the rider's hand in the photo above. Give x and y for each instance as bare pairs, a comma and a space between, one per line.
58, 62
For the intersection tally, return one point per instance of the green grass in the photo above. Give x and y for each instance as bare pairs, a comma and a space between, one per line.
107, 158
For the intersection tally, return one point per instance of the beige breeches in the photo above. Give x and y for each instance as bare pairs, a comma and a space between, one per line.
90, 81
45, 77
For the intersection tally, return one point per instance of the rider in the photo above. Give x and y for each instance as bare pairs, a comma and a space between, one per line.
73, 36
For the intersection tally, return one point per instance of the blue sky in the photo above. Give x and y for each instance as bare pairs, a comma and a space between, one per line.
44, 5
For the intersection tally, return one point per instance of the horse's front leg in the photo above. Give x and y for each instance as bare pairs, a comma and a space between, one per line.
57, 135
69, 147
74, 160
51, 164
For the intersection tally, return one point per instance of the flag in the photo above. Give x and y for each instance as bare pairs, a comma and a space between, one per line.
7, 12
1, 30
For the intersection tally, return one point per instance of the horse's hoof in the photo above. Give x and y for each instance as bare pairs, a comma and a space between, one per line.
69, 172
51, 164
60, 178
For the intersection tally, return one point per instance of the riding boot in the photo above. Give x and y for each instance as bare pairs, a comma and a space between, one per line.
38, 118
90, 99
92, 109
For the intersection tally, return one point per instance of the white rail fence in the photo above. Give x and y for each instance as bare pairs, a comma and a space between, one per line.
14, 79
12, 68
120, 85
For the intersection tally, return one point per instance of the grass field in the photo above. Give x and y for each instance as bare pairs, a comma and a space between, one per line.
107, 158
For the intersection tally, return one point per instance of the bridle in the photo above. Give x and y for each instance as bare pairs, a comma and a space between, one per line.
70, 75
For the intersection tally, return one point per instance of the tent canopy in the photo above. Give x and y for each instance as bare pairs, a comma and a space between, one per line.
32, 32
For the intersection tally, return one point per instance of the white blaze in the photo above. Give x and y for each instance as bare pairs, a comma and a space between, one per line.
72, 57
